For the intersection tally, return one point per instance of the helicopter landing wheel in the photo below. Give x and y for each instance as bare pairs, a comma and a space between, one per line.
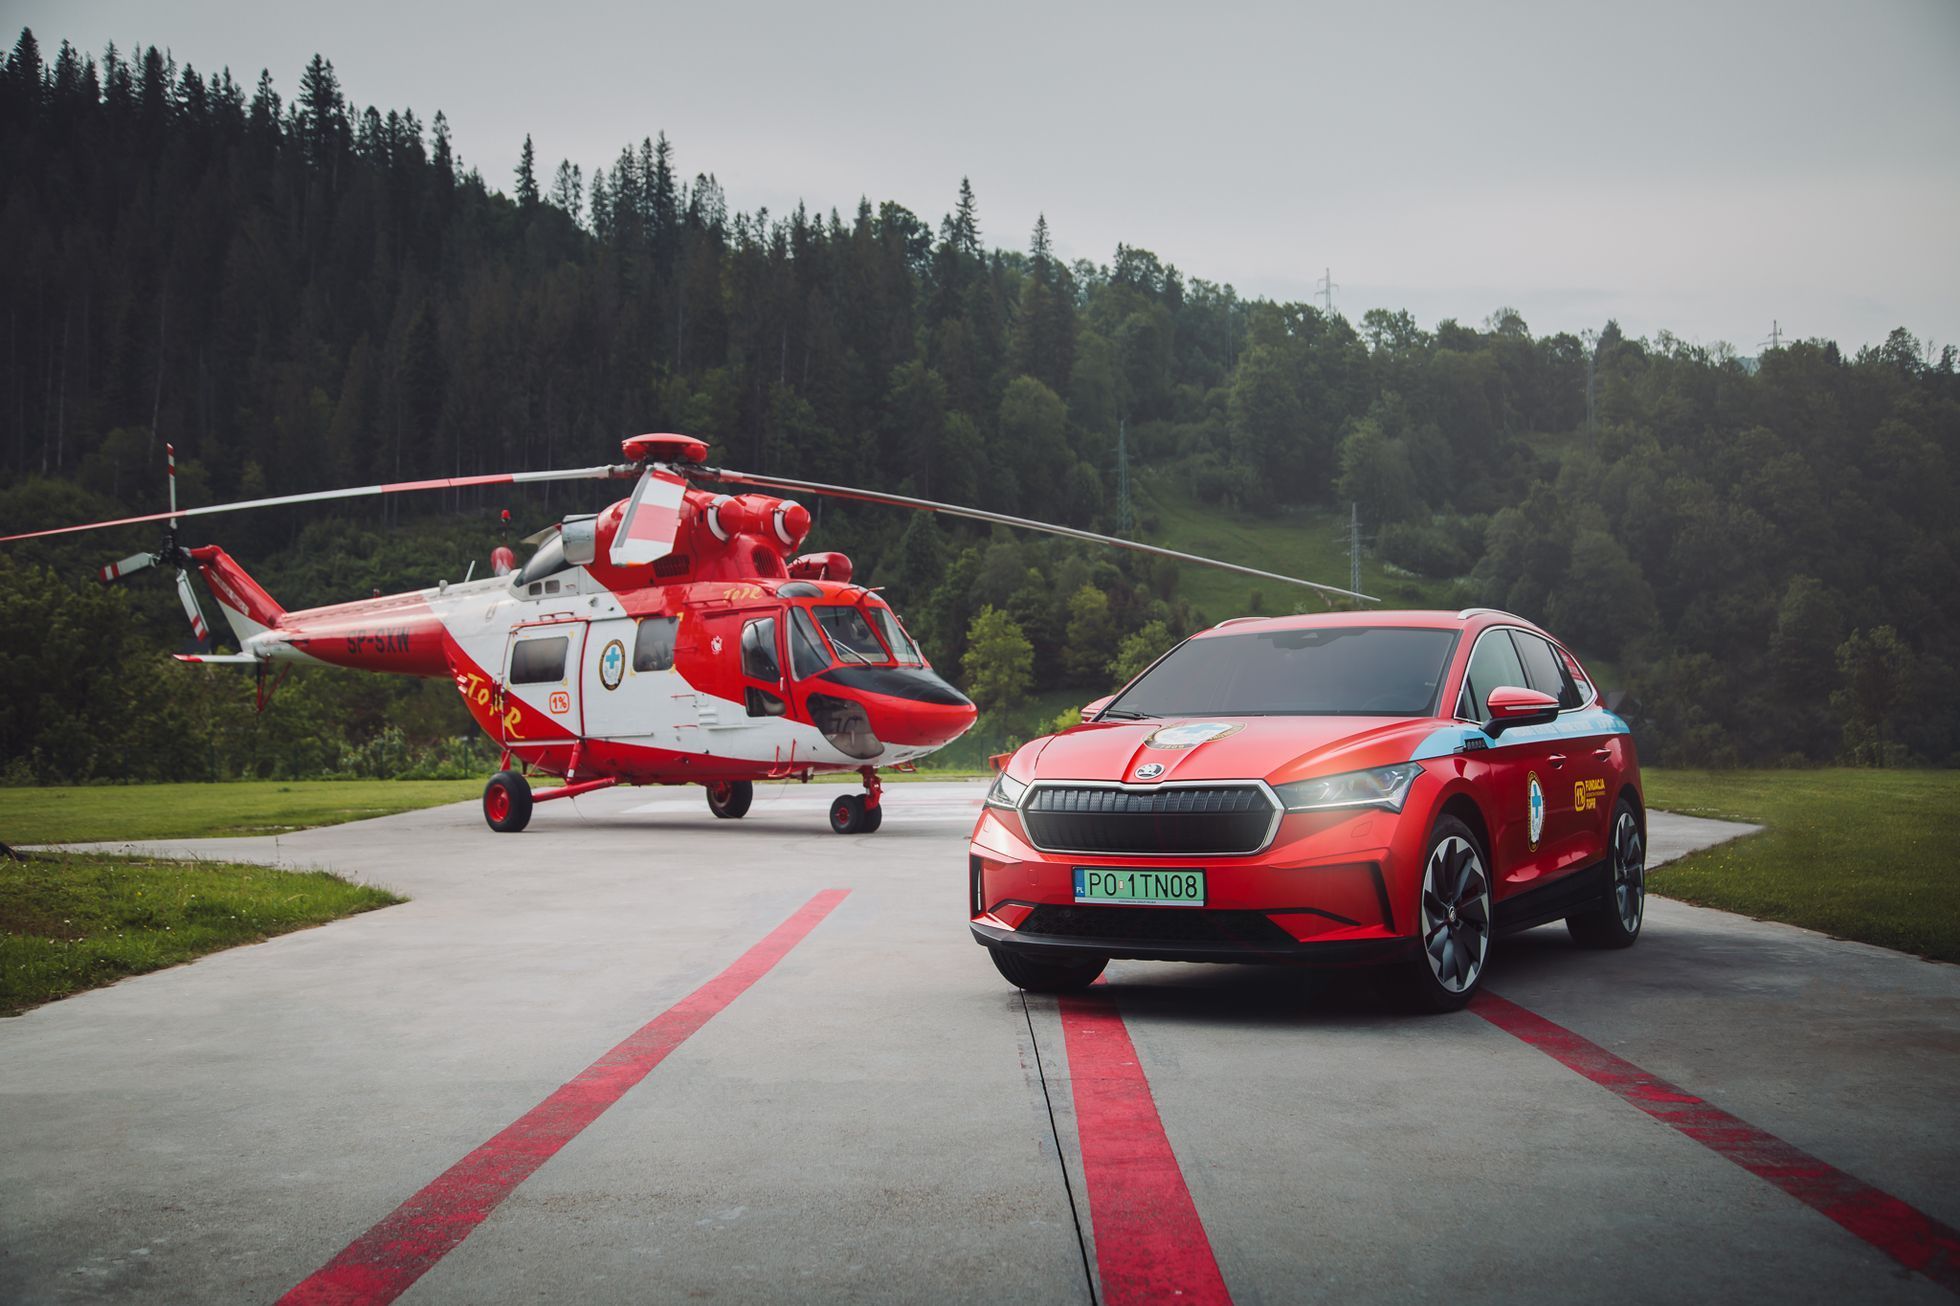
730, 799
507, 802
848, 815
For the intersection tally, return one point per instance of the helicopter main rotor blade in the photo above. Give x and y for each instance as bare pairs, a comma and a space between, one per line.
353, 492
1020, 523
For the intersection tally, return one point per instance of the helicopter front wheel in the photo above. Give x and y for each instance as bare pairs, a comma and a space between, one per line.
507, 802
849, 815
730, 799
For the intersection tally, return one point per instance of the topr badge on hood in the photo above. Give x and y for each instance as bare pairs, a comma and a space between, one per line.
1191, 734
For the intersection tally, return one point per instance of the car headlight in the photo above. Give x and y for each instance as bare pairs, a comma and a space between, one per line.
1386, 786
1006, 792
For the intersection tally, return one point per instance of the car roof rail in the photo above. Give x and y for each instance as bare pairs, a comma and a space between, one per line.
1467, 613
1233, 621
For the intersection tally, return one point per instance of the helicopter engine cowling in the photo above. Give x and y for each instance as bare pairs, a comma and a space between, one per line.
784, 522
820, 566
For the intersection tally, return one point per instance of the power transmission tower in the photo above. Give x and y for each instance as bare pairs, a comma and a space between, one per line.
1775, 340
1326, 289
1591, 337
1125, 516
1354, 546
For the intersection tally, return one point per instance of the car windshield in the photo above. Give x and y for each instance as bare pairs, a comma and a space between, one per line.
851, 635
1324, 671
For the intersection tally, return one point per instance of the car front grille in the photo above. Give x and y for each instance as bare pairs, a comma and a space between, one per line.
1177, 820
1159, 925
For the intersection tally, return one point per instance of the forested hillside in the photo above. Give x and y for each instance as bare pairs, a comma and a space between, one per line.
299, 293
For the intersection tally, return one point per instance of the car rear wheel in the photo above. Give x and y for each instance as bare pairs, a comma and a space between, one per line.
1047, 975
730, 799
1453, 918
1615, 922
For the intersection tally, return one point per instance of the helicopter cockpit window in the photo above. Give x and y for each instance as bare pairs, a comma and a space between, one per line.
807, 655
759, 650
547, 561
851, 635
901, 643
653, 646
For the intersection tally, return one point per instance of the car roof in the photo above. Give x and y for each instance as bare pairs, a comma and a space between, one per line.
1412, 618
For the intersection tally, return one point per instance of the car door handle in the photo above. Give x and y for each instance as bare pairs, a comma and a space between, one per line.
1603, 754
1556, 759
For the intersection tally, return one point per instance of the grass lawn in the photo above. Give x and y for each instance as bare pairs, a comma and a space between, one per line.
1860, 854
101, 813
74, 921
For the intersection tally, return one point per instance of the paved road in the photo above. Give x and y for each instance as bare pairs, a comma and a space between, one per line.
878, 1117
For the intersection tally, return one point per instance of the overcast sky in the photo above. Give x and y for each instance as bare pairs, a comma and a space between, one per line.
1700, 167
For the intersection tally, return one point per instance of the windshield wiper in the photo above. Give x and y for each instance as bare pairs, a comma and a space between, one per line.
1124, 714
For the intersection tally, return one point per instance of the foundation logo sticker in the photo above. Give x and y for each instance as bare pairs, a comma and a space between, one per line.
1537, 809
561, 702
1150, 770
612, 665
1191, 734
1586, 794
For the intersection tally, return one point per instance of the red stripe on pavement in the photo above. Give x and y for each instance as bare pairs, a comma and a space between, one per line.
380, 1265
1150, 1244
1908, 1235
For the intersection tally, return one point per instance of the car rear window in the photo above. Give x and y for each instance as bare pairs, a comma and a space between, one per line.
1315, 671
1544, 671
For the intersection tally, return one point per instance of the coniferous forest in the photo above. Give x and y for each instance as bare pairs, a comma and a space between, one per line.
1760, 556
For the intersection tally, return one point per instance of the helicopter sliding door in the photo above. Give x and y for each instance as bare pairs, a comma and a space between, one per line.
631, 686
541, 684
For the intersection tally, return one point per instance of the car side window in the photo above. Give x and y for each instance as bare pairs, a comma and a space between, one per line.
1545, 671
1493, 665
759, 650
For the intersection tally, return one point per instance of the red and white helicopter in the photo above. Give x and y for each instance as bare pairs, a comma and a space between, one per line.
674, 638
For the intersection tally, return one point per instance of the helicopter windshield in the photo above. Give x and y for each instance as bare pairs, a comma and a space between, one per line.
903, 649
851, 635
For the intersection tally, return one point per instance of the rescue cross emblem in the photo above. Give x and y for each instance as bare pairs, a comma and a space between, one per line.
612, 665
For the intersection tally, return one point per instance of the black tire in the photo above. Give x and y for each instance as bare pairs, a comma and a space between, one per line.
847, 813
730, 799
507, 802
873, 818
1616, 921
1047, 975
1453, 921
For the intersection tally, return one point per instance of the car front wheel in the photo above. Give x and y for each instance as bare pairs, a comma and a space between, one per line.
1453, 917
1047, 975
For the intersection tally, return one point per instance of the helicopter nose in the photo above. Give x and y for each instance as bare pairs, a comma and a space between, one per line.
907, 706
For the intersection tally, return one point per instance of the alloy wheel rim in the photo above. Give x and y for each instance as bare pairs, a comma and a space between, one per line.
1455, 914
1629, 872
499, 803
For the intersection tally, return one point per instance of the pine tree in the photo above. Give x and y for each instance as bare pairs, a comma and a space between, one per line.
441, 154
527, 176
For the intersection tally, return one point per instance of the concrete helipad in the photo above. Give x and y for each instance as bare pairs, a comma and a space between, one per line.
637, 1053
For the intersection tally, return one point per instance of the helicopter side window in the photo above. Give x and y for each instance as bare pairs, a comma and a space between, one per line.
851, 635
653, 646
807, 655
901, 643
759, 650
539, 661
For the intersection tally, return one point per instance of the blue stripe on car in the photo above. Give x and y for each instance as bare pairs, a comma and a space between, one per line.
1450, 739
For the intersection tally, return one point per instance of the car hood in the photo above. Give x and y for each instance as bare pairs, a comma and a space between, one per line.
1275, 748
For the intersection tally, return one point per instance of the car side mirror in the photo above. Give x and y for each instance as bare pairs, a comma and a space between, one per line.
1090, 712
1511, 706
